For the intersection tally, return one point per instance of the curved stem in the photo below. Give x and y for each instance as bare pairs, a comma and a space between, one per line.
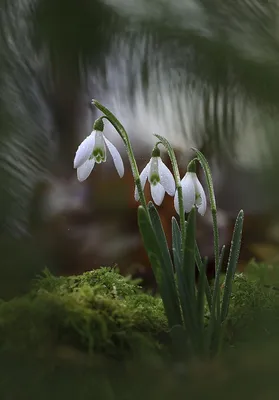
124, 136
176, 174
208, 176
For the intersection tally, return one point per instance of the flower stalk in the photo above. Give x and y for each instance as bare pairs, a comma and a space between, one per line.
123, 134
176, 175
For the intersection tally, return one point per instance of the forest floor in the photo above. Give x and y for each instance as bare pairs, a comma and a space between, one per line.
99, 334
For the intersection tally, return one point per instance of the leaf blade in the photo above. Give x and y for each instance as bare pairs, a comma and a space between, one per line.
232, 263
161, 268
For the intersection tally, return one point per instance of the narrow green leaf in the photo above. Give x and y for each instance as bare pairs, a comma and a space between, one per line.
214, 321
200, 264
149, 239
200, 305
162, 270
162, 242
232, 264
220, 266
176, 243
188, 268
182, 287
186, 279
216, 287
167, 265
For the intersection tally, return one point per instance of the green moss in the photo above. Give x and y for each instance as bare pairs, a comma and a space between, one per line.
64, 318
254, 308
99, 311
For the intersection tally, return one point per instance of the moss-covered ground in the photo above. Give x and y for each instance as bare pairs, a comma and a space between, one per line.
98, 335
97, 312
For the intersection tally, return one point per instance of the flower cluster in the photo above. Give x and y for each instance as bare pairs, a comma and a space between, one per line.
175, 276
161, 180
93, 150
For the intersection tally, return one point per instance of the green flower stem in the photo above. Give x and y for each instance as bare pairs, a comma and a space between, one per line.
205, 166
176, 174
215, 237
192, 165
124, 136
181, 214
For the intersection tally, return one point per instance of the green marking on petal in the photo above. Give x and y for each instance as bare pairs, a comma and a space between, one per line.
99, 155
198, 199
154, 179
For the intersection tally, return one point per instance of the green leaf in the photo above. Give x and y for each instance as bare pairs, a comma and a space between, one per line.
185, 299
188, 267
162, 243
200, 304
163, 271
176, 244
200, 266
232, 263
186, 276
214, 328
220, 265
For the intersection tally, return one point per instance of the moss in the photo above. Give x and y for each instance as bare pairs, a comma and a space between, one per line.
99, 311
254, 307
110, 317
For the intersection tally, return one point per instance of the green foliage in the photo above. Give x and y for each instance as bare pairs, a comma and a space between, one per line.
46, 337
99, 311
102, 312
107, 281
254, 309
156, 247
186, 255
43, 321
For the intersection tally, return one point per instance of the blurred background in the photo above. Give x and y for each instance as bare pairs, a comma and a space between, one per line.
202, 73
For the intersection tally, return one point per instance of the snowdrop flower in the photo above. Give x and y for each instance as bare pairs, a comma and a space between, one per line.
193, 194
159, 177
93, 150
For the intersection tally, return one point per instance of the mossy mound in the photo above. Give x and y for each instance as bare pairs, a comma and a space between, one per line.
47, 339
254, 307
102, 312
97, 312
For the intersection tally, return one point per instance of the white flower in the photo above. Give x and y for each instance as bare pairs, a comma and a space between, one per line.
193, 194
93, 150
160, 179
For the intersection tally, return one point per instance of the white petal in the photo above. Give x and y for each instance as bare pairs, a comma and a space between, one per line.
143, 177
116, 157
201, 204
84, 150
176, 205
188, 192
166, 178
157, 193
85, 169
